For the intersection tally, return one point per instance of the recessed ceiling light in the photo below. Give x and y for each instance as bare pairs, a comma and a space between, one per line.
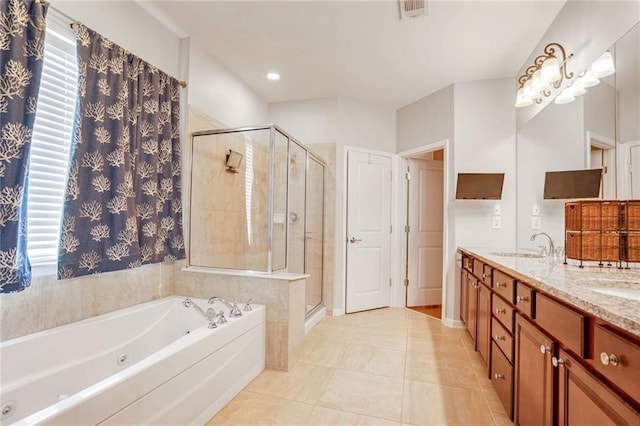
273, 76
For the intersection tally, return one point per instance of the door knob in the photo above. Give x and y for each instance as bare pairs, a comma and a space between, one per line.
354, 240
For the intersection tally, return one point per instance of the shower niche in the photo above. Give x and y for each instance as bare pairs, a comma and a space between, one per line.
256, 200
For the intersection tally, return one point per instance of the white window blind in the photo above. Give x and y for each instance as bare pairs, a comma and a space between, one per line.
51, 140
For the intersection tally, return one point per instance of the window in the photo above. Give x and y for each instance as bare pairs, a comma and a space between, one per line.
51, 142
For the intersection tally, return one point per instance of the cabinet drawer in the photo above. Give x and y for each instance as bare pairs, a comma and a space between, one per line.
504, 285
503, 339
503, 312
618, 359
482, 271
563, 323
502, 379
525, 301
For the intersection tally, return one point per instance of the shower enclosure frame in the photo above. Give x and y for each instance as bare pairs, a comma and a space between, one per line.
271, 193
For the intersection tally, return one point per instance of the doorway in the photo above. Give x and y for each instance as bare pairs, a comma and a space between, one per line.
424, 231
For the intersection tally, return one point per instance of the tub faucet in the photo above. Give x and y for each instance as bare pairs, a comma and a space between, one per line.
234, 311
210, 314
552, 249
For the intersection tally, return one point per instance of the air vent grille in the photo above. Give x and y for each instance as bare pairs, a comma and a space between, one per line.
412, 8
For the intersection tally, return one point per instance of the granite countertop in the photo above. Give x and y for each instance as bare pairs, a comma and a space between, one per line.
616, 297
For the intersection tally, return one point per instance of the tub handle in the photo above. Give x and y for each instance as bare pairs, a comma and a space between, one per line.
247, 306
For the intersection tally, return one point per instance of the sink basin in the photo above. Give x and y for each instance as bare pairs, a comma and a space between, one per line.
517, 254
627, 293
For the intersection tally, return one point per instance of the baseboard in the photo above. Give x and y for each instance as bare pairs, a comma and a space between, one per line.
314, 319
452, 323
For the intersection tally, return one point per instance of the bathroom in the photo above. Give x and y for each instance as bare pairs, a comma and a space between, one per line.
476, 116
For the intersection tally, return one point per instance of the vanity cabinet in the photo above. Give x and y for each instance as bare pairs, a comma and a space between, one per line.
549, 362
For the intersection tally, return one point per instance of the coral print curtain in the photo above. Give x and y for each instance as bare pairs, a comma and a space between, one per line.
123, 198
22, 26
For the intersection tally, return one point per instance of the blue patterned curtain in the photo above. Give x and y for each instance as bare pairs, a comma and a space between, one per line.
123, 204
22, 26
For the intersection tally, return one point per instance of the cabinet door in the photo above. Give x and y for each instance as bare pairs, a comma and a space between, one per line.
464, 295
472, 311
483, 336
534, 375
583, 400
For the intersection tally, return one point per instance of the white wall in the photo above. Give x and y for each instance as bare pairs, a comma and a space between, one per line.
427, 120
220, 94
345, 122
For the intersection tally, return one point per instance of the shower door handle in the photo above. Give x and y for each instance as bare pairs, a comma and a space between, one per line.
354, 240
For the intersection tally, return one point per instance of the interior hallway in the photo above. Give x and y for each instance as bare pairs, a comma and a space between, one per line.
388, 366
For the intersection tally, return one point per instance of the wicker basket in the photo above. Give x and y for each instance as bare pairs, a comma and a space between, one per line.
597, 246
631, 215
592, 215
633, 247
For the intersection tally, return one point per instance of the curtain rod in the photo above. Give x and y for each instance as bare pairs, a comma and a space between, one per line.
74, 24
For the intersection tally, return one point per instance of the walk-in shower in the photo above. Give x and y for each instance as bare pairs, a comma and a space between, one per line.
257, 204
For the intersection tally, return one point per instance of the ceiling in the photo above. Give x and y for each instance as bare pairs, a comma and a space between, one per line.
361, 49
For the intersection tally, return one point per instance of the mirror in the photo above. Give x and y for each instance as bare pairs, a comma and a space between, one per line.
600, 129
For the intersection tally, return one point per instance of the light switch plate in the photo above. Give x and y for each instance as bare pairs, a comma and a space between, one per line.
496, 223
535, 210
536, 222
497, 211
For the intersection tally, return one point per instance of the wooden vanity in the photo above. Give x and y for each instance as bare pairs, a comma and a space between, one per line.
558, 351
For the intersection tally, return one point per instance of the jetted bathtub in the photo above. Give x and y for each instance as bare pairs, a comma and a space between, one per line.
157, 362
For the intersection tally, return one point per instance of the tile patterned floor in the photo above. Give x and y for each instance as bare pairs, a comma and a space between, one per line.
384, 367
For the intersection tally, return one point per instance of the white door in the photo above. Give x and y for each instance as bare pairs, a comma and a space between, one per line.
368, 231
425, 207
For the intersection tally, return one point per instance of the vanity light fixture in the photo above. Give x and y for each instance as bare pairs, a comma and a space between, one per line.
273, 76
602, 67
548, 71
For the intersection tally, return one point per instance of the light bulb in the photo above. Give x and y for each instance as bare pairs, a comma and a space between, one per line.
522, 100
564, 98
550, 72
588, 80
603, 66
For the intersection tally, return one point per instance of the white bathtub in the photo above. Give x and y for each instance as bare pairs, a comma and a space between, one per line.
157, 362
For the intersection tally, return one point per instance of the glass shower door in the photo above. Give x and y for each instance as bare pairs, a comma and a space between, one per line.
314, 232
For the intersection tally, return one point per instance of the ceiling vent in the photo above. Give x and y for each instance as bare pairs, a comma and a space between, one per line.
412, 8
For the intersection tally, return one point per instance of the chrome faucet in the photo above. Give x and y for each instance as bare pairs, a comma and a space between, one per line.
552, 248
234, 311
210, 314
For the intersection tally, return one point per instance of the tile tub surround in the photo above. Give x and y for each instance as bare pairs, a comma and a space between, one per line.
284, 298
388, 366
572, 284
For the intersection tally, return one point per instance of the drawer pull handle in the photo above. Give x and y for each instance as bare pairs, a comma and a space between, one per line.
501, 285
557, 362
476, 286
484, 276
500, 311
497, 338
522, 299
545, 349
607, 359
498, 376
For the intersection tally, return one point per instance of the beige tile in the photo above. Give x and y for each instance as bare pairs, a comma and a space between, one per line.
305, 382
332, 331
437, 348
322, 352
321, 416
368, 359
445, 371
361, 393
387, 338
431, 404
249, 408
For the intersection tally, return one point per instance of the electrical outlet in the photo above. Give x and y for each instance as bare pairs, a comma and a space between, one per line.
535, 210
497, 211
496, 223
536, 222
